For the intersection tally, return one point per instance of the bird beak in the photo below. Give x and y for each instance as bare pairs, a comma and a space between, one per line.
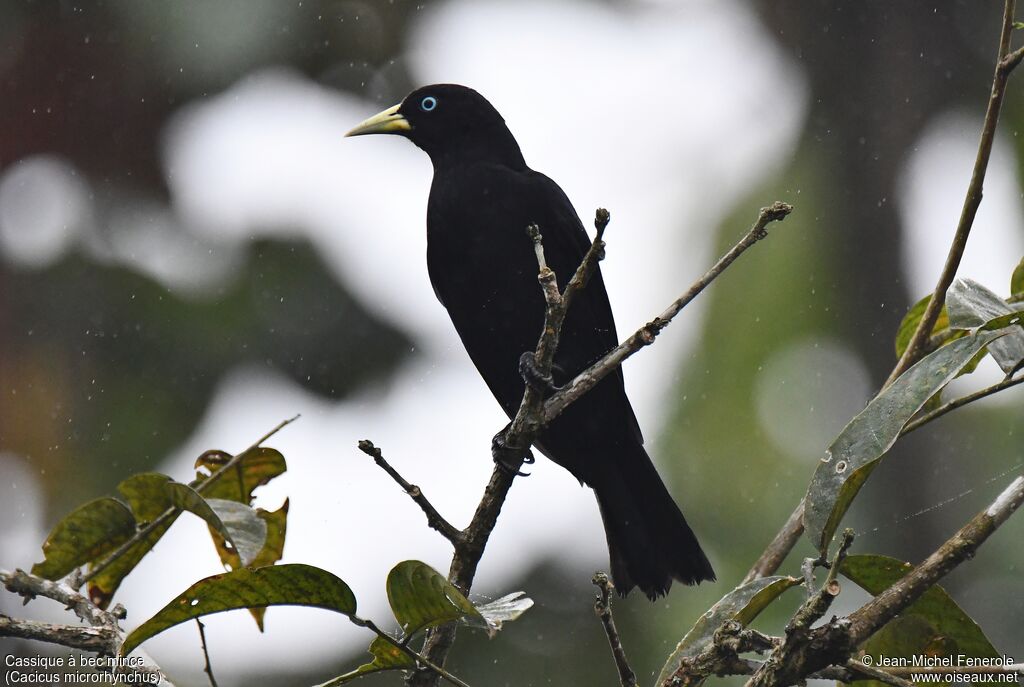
386, 122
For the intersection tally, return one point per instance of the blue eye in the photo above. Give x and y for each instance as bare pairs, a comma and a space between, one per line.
428, 103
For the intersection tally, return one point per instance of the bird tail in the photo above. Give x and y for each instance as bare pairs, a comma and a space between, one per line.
649, 541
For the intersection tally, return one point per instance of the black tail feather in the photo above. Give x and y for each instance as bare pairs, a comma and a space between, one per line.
649, 541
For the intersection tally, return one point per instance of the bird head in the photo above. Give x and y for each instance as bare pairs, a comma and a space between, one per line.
440, 119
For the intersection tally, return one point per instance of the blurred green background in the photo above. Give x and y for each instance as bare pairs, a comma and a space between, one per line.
107, 366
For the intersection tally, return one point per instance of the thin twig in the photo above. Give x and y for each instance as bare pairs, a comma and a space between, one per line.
207, 668
1005, 63
405, 649
958, 403
603, 609
172, 513
594, 255
588, 379
779, 667
434, 519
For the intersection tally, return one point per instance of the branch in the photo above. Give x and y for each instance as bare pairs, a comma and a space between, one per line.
1005, 63
588, 379
959, 548
434, 519
103, 636
30, 586
171, 513
959, 402
100, 640
207, 667
802, 654
510, 449
603, 609
534, 413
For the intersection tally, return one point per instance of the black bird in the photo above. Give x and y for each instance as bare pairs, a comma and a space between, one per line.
484, 271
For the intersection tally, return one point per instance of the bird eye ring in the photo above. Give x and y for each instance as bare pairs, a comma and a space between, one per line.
428, 103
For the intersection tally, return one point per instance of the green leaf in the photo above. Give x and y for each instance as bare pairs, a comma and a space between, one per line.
235, 522
972, 305
146, 493
941, 614
862, 443
89, 532
913, 318
147, 496
1017, 282
742, 604
421, 597
386, 656
255, 468
291, 584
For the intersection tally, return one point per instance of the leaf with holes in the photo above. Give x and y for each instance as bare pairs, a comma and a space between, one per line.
421, 597
856, 451
291, 584
235, 522
86, 534
972, 305
255, 468
386, 656
742, 604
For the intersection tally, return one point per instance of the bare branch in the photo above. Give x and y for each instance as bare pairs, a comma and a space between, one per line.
1005, 63
31, 586
100, 640
102, 637
434, 519
588, 379
603, 609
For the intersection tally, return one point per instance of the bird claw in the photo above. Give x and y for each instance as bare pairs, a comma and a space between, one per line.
531, 374
506, 457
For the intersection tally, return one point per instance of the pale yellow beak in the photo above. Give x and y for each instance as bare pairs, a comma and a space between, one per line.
386, 122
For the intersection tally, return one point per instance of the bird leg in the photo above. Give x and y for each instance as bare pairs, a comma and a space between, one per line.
543, 384
505, 456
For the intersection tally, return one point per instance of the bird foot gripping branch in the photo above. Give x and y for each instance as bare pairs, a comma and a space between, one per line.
509, 457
